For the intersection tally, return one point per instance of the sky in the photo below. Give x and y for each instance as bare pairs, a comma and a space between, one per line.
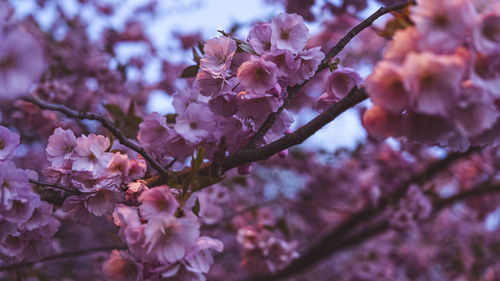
206, 16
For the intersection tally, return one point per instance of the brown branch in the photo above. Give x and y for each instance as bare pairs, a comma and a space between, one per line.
54, 185
261, 153
106, 123
336, 240
334, 51
61, 256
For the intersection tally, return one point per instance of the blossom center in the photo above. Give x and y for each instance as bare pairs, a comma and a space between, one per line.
91, 157
193, 125
441, 20
2, 144
285, 35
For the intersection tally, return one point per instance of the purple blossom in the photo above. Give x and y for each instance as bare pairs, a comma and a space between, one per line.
443, 24
196, 124
486, 33
289, 32
8, 143
158, 201
121, 266
309, 62
167, 237
200, 260
432, 81
259, 38
61, 147
90, 154
21, 63
284, 60
218, 55
258, 75
385, 87
341, 81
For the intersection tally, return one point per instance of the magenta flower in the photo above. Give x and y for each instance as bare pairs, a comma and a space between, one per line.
487, 33
309, 62
200, 259
443, 24
258, 75
340, 82
21, 63
218, 55
284, 60
153, 131
404, 41
121, 266
8, 143
385, 87
90, 154
196, 124
432, 81
168, 237
158, 201
61, 147
259, 38
289, 32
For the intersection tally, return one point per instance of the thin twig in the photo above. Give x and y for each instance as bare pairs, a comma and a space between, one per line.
334, 51
54, 185
106, 123
261, 153
330, 246
61, 256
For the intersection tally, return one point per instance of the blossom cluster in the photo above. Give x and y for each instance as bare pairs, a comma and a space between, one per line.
163, 240
87, 165
438, 82
235, 90
26, 222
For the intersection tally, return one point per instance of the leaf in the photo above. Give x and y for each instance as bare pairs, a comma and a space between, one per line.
171, 118
244, 47
196, 208
283, 227
399, 22
190, 71
115, 111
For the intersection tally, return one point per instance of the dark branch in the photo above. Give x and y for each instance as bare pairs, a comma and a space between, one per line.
61, 256
336, 239
106, 123
334, 51
54, 185
261, 153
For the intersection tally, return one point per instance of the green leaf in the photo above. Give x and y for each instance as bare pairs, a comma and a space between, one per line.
196, 208
283, 227
190, 71
115, 111
171, 118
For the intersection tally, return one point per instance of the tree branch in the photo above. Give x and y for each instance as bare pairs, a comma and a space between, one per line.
334, 51
54, 185
261, 153
336, 240
106, 123
61, 256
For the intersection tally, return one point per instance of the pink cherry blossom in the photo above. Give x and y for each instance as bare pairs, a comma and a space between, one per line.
385, 87
167, 237
61, 147
8, 143
90, 154
289, 32
443, 24
259, 38
158, 201
258, 75
341, 81
21, 63
432, 81
218, 55
121, 266
196, 123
